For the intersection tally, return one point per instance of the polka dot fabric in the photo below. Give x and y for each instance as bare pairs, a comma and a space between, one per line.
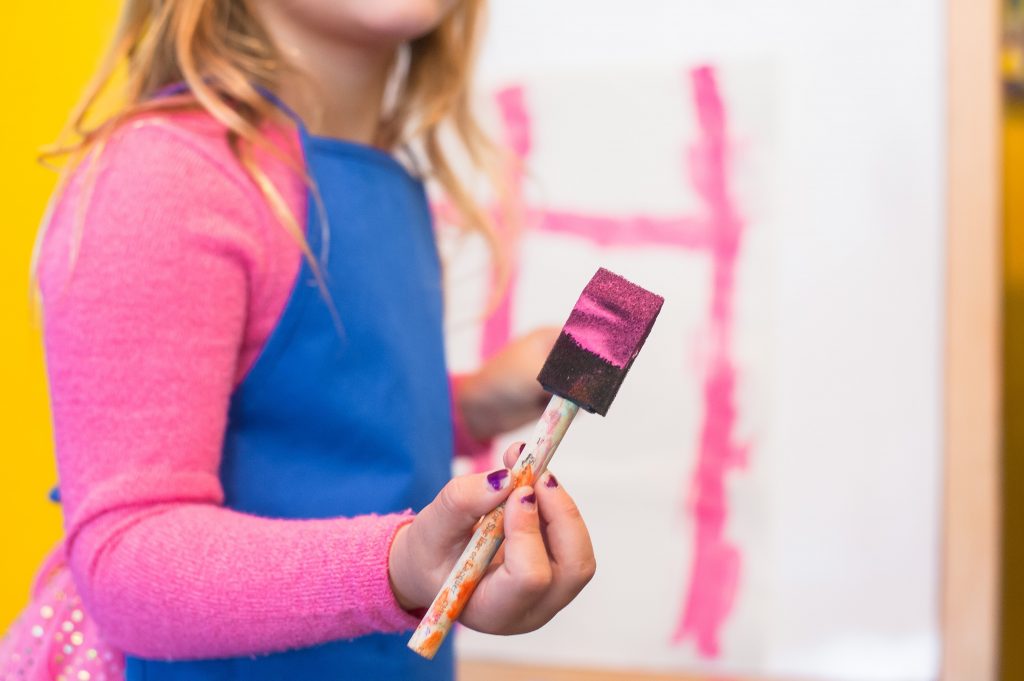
54, 639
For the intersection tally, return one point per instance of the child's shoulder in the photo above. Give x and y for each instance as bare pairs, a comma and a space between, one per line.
183, 145
176, 166
195, 125
167, 180
177, 155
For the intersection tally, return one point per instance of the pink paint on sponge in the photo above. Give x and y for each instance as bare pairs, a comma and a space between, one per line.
613, 317
600, 340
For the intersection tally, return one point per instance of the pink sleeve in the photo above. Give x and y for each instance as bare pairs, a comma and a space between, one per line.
144, 336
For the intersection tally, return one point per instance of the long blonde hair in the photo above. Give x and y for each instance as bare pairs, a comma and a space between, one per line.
226, 60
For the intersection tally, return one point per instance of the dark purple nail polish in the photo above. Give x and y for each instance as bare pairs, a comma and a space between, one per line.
522, 447
530, 498
498, 479
551, 482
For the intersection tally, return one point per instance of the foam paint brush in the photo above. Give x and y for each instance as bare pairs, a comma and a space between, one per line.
586, 367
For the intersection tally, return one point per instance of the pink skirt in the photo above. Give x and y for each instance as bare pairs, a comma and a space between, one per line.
54, 639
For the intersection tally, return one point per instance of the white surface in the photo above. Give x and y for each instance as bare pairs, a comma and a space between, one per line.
840, 318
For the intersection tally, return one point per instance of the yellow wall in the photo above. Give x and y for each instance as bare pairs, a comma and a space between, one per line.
48, 51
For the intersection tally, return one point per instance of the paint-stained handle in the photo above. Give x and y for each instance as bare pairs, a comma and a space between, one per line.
470, 566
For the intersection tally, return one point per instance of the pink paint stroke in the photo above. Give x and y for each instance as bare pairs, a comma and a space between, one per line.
508, 221
516, 127
638, 230
716, 563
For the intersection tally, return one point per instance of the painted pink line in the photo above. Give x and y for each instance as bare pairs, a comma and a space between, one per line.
627, 230
444, 212
717, 562
635, 230
497, 327
716, 566
516, 128
515, 120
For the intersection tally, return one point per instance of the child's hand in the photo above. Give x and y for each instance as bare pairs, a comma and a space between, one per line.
504, 393
545, 561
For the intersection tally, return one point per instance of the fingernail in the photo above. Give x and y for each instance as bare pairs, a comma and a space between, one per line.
498, 480
551, 482
522, 447
530, 499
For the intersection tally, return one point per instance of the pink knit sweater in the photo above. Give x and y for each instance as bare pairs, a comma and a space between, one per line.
180, 271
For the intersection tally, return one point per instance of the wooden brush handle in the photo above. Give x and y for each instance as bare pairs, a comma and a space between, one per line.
473, 562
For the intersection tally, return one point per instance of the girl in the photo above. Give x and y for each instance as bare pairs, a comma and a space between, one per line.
242, 311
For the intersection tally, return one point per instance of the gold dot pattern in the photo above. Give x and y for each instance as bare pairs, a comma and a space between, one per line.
54, 639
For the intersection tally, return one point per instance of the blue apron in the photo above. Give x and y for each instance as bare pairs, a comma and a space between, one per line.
341, 422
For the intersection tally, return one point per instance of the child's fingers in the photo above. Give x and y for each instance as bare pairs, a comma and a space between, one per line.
506, 596
572, 556
450, 517
542, 569
526, 568
512, 453
568, 540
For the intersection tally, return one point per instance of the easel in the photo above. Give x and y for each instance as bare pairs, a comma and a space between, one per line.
971, 509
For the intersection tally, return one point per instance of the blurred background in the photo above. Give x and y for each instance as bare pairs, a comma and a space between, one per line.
49, 53
1013, 341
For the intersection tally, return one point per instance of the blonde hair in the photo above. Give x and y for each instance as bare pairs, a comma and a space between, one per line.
226, 61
